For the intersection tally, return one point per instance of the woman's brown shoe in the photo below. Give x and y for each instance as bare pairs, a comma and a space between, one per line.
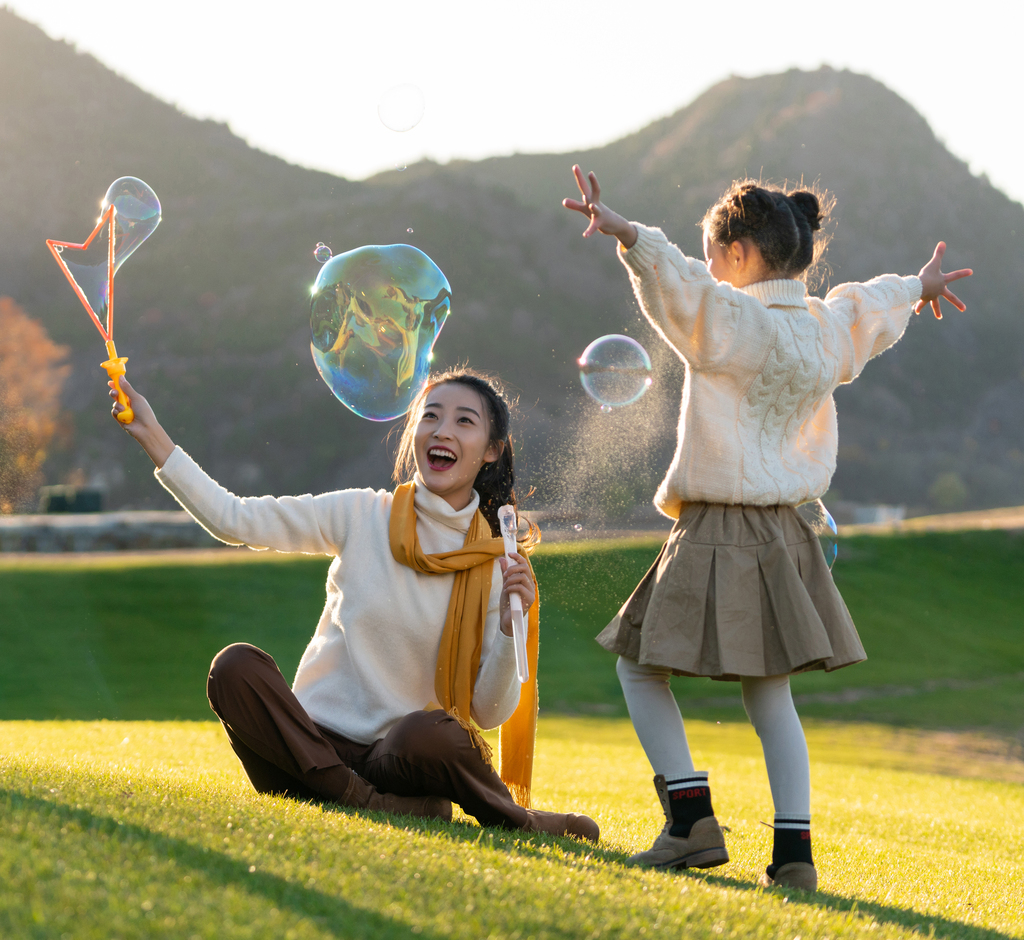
563, 824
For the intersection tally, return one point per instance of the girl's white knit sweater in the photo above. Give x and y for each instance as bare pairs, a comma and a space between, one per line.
758, 423
374, 654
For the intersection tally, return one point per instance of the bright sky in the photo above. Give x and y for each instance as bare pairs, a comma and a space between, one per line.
303, 80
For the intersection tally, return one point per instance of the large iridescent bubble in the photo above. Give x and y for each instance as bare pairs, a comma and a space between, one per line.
374, 317
138, 214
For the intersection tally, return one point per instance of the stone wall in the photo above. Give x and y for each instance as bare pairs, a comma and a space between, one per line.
102, 531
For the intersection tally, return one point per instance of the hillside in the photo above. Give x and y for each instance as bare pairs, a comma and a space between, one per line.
212, 311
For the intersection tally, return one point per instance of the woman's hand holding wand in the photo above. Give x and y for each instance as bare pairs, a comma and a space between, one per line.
144, 428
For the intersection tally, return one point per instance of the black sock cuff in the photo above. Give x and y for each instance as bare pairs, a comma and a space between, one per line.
792, 841
689, 799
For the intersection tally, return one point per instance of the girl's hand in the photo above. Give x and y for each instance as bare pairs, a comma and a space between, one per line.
516, 578
144, 428
602, 219
933, 284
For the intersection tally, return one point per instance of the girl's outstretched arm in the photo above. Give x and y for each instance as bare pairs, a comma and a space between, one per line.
144, 428
602, 219
934, 284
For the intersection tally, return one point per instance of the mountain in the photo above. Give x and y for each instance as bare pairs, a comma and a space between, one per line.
213, 310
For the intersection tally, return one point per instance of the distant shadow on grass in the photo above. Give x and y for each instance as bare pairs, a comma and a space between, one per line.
340, 917
883, 913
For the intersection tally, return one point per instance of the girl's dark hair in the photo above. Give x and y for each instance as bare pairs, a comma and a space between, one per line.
782, 224
495, 482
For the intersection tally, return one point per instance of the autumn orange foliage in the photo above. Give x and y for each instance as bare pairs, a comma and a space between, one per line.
32, 374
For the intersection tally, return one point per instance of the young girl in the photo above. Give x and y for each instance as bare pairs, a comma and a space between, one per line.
741, 589
414, 643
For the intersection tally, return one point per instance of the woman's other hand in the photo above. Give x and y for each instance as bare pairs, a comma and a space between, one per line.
144, 427
516, 579
934, 284
602, 219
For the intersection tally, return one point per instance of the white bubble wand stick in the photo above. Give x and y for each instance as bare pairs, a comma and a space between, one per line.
507, 521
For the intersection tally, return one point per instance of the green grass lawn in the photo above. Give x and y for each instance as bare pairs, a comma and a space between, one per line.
148, 829
940, 616
136, 828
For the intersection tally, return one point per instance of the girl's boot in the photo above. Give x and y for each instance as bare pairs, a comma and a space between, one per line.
692, 837
792, 865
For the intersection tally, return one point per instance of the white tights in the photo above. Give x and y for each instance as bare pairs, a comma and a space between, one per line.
769, 705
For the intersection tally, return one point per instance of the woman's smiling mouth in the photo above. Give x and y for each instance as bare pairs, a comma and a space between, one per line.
441, 458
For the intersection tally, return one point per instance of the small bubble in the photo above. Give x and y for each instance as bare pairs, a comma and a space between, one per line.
606, 409
322, 253
401, 107
578, 527
401, 166
409, 230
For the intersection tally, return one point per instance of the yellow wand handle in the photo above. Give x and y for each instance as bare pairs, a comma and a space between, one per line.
115, 369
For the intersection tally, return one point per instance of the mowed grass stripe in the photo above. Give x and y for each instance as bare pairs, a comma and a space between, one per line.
119, 637
149, 830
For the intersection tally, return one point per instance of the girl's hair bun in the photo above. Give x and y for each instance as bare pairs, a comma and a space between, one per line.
808, 204
781, 224
751, 207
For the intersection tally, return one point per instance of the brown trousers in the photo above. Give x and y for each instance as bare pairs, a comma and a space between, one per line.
284, 751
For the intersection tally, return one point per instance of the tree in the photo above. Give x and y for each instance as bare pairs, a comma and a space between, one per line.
32, 375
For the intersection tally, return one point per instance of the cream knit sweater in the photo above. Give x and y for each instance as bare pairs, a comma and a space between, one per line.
758, 423
373, 656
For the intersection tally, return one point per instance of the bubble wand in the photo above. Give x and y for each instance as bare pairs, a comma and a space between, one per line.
131, 211
507, 521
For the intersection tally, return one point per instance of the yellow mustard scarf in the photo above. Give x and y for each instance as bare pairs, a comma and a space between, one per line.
458, 659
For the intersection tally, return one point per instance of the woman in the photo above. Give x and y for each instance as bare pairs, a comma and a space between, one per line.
414, 644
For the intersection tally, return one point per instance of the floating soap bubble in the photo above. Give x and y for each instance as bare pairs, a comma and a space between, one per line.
401, 108
375, 314
322, 253
409, 230
137, 215
578, 527
615, 370
824, 526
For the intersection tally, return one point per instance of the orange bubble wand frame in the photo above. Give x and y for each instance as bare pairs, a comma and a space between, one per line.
130, 211
115, 364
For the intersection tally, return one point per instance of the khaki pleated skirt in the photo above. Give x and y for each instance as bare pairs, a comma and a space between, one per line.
737, 591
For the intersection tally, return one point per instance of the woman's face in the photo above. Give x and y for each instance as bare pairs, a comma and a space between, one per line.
452, 442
